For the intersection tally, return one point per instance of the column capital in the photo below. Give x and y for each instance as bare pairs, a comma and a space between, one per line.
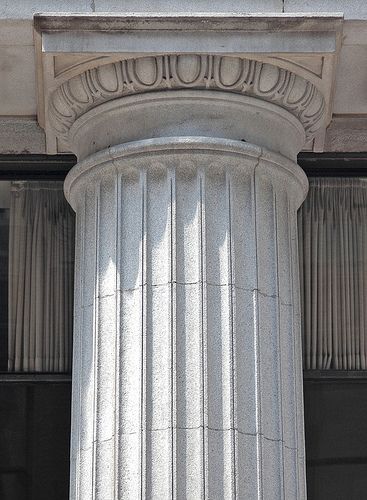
282, 62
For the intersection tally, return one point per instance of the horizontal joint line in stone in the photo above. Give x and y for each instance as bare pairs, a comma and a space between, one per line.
214, 429
189, 283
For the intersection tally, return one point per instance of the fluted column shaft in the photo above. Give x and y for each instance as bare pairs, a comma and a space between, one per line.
187, 377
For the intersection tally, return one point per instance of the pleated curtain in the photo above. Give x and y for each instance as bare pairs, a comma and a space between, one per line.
333, 270
41, 257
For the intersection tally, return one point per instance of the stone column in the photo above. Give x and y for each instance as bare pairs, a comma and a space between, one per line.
187, 373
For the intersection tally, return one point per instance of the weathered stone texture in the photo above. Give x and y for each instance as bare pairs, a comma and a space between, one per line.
187, 363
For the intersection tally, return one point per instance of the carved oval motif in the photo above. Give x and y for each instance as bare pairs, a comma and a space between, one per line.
61, 115
106, 78
188, 68
231, 71
265, 81
58, 105
77, 90
146, 70
270, 78
298, 92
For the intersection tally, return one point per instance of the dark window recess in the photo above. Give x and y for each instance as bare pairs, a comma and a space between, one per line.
34, 440
336, 438
4, 255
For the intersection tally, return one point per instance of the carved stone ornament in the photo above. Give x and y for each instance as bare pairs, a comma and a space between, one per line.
238, 75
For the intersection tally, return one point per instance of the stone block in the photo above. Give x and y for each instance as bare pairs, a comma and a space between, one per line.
21, 136
20, 9
189, 6
346, 134
350, 86
18, 81
352, 9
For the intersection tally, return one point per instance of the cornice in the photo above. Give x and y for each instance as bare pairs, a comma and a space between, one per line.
109, 21
232, 74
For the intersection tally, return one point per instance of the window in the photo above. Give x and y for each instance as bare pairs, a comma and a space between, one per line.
36, 277
36, 271
333, 265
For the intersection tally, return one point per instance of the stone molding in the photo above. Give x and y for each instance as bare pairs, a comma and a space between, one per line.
123, 156
184, 113
84, 60
239, 75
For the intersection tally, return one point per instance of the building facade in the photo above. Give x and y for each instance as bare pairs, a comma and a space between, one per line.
186, 122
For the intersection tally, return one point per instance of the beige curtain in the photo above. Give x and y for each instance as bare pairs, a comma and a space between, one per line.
333, 264
41, 256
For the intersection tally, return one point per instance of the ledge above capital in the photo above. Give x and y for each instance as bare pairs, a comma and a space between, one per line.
172, 75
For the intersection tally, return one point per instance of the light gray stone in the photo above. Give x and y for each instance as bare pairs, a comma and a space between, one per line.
21, 136
73, 49
350, 91
272, 481
222, 41
180, 113
355, 9
248, 481
346, 134
18, 82
354, 32
193, 379
188, 6
190, 477
18, 9
16, 32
